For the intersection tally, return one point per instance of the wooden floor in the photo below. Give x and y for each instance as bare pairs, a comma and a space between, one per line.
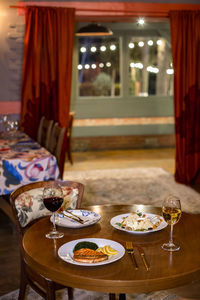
164, 158
9, 254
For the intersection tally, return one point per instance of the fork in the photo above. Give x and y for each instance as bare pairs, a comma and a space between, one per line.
129, 248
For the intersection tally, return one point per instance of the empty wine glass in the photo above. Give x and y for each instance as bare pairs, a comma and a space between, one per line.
4, 122
171, 210
53, 199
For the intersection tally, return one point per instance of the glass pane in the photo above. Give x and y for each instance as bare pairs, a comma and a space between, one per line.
150, 67
99, 68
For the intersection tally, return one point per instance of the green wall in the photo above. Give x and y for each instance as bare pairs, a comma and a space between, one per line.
123, 106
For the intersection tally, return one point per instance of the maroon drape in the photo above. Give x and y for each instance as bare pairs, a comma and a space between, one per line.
185, 39
47, 67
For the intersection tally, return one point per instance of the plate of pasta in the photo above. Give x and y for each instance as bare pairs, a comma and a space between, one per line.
138, 222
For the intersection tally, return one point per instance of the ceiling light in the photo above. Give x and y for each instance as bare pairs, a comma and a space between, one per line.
140, 21
93, 30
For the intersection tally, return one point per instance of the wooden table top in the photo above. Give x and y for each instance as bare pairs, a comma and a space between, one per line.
167, 270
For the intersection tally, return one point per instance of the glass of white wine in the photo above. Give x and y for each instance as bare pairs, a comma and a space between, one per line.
171, 210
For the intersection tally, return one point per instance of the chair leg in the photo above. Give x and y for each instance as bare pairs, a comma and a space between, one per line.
122, 296
51, 294
22, 290
23, 284
69, 152
70, 293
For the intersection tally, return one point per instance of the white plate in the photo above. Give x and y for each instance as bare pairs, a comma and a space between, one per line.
65, 252
64, 221
119, 218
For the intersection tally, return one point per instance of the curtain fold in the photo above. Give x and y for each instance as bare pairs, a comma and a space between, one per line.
185, 40
47, 66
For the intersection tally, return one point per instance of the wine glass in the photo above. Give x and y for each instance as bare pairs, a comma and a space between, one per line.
171, 210
4, 122
53, 199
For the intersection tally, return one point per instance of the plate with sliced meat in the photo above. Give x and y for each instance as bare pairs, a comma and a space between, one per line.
91, 252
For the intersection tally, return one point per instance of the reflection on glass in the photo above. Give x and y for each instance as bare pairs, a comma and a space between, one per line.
150, 66
98, 67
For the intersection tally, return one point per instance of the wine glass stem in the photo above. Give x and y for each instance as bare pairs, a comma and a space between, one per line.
54, 222
171, 234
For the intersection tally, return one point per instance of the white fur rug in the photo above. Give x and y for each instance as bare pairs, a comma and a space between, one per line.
79, 294
87, 295
133, 186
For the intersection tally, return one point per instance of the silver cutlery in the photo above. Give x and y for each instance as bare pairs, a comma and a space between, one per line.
129, 248
69, 212
74, 217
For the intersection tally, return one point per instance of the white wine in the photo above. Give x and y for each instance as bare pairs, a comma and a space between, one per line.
171, 214
171, 210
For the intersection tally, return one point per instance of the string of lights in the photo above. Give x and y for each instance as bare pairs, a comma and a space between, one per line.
112, 46
138, 65
94, 48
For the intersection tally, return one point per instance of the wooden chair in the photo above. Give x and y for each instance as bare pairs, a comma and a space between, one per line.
26, 204
44, 132
57, 145
69, 136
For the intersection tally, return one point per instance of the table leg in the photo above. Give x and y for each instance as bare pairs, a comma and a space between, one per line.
112, 297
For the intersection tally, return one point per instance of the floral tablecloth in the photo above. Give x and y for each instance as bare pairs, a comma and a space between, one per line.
23, 161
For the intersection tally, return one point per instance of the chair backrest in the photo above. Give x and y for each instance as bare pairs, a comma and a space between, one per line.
57, 145
44, 131
69, 136
70, 124
27, 204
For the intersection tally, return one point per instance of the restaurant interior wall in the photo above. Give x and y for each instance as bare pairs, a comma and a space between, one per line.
122, 118
11, 59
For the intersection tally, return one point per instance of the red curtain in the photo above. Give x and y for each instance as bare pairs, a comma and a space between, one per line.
47, 67
185, 39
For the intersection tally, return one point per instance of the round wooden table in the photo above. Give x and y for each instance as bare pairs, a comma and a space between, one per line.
167, 269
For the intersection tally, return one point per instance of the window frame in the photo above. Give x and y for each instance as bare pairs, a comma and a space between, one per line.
123, 105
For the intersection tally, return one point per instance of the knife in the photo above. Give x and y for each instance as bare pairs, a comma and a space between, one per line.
141, 251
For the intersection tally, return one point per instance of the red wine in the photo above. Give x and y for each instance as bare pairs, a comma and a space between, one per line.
53, 203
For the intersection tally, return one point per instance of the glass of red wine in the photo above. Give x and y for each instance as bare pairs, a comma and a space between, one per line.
53, 199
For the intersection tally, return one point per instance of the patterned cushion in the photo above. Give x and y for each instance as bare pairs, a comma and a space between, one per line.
30, 206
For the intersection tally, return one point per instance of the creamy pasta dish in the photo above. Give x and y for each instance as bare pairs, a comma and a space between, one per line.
137, 221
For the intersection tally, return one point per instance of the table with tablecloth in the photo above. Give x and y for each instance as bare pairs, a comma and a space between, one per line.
22, 161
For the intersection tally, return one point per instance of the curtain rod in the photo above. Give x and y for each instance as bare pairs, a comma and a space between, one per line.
130, 12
